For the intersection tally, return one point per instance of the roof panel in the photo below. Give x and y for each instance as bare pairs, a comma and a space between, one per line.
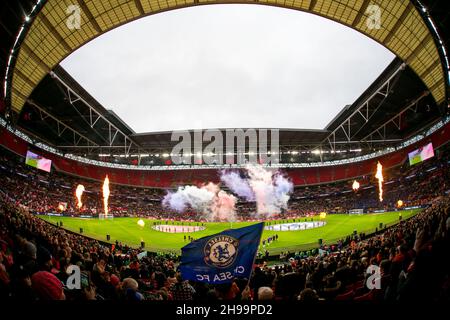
22, 84
28, 66
16, 100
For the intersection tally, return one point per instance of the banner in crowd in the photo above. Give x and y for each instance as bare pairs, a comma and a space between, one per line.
221, 257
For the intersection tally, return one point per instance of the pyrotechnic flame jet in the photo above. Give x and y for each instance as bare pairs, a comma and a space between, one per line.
106, 194
79, 193
379, 176
355, 185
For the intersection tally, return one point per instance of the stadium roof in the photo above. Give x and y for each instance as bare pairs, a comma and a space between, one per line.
55, 109
49, 39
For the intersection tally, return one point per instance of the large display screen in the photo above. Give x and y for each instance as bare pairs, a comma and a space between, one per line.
421, 154
37, 161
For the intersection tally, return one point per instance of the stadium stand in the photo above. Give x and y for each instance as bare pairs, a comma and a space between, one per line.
171, 178
407, 100
42, 192
412, 257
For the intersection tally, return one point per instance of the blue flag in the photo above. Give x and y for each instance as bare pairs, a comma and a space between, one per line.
221, 257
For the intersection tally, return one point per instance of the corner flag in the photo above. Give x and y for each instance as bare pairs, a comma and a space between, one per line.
220, 257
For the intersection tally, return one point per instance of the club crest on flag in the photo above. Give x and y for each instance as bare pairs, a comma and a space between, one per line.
221, 251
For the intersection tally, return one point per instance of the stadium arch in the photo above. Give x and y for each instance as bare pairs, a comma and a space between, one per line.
45, 40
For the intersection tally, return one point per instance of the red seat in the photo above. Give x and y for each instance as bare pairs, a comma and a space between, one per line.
365, 297
356, 285
360, 291
345, 296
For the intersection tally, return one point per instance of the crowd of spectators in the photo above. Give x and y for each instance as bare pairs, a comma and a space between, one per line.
414, 185
44, 192
412, 256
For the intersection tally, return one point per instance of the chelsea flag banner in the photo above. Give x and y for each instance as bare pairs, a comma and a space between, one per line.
221, 257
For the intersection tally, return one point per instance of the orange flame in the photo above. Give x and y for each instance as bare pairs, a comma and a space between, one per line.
79, 193
355, 185
379, 176
106, 194
399, 203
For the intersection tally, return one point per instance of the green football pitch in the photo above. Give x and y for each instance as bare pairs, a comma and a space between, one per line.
127, 231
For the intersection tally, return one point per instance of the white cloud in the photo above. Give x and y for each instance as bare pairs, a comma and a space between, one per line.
228, 66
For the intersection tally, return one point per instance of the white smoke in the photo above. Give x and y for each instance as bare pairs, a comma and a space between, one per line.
215, 204
197, 198
270, 190
238, 185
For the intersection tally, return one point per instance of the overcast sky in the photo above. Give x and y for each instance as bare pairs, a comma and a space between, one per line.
228, 66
